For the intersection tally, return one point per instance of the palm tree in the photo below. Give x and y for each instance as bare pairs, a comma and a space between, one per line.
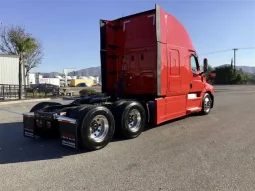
16, 41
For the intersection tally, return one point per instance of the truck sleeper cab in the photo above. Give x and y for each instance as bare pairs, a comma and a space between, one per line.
151, 55
150, 74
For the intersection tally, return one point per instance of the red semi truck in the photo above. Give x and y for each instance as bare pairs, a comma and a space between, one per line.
150, 74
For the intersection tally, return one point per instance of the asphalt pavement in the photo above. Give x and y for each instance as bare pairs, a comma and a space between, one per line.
213, 152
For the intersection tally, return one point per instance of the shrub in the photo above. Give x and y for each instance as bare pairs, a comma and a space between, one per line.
86, 92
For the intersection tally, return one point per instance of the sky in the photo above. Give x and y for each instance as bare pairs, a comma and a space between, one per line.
69, 29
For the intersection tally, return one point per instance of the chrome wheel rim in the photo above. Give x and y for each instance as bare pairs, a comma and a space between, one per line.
207, 104
134, 120
99, 128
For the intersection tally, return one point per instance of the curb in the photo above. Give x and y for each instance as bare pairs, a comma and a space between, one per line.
24, 101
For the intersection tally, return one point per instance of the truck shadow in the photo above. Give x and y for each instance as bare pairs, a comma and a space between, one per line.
14, 147
149, 127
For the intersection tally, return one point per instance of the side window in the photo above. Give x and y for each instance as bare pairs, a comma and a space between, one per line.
193, 63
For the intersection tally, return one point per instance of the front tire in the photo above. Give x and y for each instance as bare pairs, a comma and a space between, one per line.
206, 104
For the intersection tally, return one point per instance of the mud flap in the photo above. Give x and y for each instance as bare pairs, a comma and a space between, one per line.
68, 132
28, 125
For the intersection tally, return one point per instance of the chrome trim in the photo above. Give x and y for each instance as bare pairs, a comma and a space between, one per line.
158, 37
63, 118
99, 128
134, 120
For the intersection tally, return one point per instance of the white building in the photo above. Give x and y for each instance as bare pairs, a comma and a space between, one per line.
31, 78
9, 70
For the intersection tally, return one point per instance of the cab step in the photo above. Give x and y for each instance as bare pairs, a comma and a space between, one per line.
194, 109
193, 96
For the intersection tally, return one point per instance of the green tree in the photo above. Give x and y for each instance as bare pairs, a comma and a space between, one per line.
252, 78
224, 75
244, 77
16, 41
207, 73
33, 59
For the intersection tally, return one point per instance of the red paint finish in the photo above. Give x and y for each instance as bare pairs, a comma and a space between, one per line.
177, 78
158, 58
136, 53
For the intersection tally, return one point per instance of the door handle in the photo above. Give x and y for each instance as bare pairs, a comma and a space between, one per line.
190, 85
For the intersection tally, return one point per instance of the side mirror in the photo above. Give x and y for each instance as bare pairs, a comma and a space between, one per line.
205, 65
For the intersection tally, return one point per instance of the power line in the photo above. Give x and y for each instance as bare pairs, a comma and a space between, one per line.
246, 48
220, 51
216, 52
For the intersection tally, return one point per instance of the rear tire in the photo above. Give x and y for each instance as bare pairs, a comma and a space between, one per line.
95, 126
130, 119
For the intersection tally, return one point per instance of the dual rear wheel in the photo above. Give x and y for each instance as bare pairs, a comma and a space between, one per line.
96, 124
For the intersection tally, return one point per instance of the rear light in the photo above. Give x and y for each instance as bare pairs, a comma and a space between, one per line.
65, 121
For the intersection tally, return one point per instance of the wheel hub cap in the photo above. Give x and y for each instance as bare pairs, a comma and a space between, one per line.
99, 128
207, 104
134, 120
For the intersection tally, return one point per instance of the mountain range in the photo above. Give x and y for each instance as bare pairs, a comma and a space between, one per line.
247, 69
92, 71
96, 71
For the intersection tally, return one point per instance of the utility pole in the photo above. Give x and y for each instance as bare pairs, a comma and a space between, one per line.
235, 49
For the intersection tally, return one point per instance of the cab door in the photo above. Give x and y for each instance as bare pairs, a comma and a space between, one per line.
175, 100
196, 85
